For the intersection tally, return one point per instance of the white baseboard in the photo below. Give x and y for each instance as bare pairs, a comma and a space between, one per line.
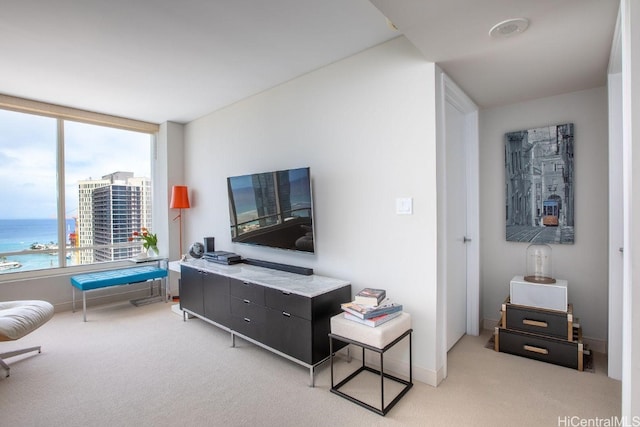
176, 309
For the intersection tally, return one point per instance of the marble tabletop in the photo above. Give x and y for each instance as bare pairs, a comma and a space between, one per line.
308, 286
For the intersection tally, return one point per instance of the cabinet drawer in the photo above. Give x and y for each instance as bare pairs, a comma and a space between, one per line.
247, 291
288, 303
245, 309
248, 327
289, 334
550, 323
551, 350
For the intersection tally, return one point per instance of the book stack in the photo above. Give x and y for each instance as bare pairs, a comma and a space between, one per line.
371, 307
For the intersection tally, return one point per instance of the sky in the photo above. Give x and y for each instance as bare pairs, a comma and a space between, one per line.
28, 161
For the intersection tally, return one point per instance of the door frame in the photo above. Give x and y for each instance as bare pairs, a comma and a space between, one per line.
450, 93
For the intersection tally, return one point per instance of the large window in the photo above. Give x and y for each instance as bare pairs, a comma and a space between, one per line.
72, 192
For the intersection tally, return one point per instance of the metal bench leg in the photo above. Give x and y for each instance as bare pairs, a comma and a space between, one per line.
73, 299
84, 306
165, 287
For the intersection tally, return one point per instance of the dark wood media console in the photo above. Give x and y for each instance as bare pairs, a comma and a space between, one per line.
286, 313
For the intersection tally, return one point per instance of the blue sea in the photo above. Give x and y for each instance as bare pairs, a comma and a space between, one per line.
20, 234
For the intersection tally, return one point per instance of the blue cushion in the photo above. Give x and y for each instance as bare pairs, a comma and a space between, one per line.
103, 279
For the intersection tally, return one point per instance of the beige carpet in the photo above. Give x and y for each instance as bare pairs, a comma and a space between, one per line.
144, 366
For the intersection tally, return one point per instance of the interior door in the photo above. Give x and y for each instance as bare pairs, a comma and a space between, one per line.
456, 219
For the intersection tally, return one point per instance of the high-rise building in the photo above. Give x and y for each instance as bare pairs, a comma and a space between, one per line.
110, 209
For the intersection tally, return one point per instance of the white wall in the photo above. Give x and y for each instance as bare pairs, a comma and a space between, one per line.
630, 34
585, 263
366, 128
169, 155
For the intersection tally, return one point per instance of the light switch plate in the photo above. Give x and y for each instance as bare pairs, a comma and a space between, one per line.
404, 206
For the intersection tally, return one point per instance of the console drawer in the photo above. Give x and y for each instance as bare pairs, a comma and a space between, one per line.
244, 308
288, 303
248, 319
247, 291
248, 327
550, 323
546, 349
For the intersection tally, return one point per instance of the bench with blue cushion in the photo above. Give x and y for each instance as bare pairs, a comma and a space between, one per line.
103, 279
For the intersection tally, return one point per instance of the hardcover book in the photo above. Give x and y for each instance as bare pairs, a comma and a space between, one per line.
374, 321
370, 296
367, 311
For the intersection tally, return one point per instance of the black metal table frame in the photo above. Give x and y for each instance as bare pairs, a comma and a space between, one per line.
407, 384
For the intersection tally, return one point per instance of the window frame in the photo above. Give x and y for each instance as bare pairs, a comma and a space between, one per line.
63, 114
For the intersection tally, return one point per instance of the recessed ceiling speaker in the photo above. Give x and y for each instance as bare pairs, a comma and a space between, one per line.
509, 28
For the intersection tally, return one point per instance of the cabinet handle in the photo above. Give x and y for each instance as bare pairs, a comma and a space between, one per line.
284, 313
536, 349
246, 283
537, 323
246, 319
246, 301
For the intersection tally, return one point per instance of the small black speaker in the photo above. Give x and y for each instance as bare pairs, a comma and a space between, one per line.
209, 244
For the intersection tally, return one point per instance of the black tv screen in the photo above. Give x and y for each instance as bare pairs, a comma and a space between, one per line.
272, 209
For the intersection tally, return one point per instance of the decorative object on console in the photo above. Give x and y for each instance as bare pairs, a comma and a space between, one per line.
179, 200
539, 264
209, 244
306, 271
222, 257
197, 250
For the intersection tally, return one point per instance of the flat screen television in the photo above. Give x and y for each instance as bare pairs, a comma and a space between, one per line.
272, 209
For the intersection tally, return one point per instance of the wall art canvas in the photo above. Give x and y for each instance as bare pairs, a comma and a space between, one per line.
539, 185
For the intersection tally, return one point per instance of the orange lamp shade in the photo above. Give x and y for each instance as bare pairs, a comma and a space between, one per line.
179, 197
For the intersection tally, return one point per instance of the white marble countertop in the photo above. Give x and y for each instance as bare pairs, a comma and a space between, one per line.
308, 286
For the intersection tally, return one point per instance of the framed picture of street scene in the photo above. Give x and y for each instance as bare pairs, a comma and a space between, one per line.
539, 184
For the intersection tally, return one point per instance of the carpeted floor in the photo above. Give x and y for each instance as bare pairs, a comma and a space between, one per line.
144, 366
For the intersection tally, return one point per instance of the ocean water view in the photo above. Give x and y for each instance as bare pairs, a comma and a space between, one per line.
20, 234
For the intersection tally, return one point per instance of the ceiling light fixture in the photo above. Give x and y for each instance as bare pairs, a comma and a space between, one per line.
509, 28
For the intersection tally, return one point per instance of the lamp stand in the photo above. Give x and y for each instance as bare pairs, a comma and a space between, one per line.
180, 217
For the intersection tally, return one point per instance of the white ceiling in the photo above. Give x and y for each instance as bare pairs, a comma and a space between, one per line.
566, 47
167, 60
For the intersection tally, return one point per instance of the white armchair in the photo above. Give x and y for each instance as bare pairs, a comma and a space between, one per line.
19, 318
